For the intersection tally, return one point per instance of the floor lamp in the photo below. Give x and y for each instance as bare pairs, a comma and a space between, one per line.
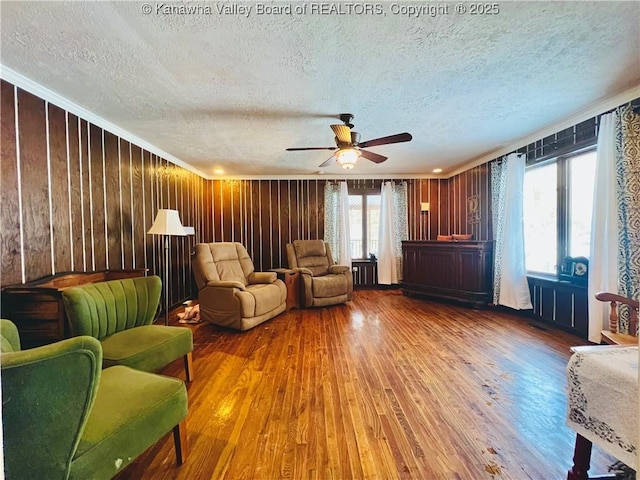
167, 224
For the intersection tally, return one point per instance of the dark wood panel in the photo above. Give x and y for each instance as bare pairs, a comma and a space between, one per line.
225, 206
97, 195
564, 305
216, 206
293, 198
463, 196
150, 209
35, 188
9, 194
175, 243
581, 312
547, 304
245, 218
137, 214
443, 226
317, 218
75, 195
126, 207
60, 201
284, 206
253, 244
85, 185
264, 245
273, 255
113, 196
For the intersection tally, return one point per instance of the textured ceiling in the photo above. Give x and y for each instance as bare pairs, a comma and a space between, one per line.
233, 89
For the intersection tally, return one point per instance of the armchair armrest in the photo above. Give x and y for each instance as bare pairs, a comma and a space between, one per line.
225, 284
303, 271
262, 277
338, 268
9, 337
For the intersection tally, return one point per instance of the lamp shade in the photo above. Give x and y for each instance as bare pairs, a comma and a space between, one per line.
167, 222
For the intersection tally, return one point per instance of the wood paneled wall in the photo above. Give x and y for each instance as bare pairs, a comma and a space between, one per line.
264, 215
460, 204
78, 198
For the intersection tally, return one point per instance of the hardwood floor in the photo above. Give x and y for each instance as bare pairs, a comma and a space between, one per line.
386, 387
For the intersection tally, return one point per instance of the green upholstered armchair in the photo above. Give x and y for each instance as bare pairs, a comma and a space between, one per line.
120, 314
231, 293
323, 282
63, 417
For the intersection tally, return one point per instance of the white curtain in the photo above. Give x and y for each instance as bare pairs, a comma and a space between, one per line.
603, 262
511, 288
344, 238
336, 221
392, 230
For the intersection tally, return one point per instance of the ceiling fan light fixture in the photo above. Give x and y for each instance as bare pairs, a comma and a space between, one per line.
347, 157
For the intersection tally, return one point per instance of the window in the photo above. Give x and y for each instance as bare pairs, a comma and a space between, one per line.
582, 179
540, 218
364, 219
558, 200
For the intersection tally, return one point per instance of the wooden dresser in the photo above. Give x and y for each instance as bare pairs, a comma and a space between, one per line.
36, 307
461, 271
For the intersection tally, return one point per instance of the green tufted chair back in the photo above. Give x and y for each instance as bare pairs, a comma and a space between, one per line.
47, 394
104, 308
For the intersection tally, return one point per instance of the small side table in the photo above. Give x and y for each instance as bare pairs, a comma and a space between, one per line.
291, 279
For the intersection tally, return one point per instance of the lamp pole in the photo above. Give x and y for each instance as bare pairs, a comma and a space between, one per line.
166, 280
167, 223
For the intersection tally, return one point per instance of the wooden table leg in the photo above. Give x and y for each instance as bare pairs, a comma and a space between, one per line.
581, 459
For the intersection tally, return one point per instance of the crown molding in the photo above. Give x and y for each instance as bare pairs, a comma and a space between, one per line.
55, 98
569, 121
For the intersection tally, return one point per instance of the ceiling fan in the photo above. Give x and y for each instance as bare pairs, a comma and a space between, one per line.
349, 147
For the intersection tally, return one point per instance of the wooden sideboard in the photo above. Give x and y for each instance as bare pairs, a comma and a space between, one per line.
36, 307
461, 271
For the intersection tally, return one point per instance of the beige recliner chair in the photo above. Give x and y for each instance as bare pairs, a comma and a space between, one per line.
323, 282
230, 292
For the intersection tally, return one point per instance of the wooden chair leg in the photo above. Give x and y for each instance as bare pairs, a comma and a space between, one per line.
180, 442
581, 459
188, 366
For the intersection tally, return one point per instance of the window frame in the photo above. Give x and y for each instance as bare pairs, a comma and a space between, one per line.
364, 192
563, 201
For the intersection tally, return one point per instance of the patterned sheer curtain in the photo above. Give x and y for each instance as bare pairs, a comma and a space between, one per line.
628, 196
336, 221
510, 286
393, 229
615, 230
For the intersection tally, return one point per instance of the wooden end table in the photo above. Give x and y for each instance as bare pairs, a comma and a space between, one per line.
291, 279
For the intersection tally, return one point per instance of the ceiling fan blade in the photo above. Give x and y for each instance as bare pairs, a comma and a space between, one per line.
398, 138
343, 133
310, 148
327, 162
374, 157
